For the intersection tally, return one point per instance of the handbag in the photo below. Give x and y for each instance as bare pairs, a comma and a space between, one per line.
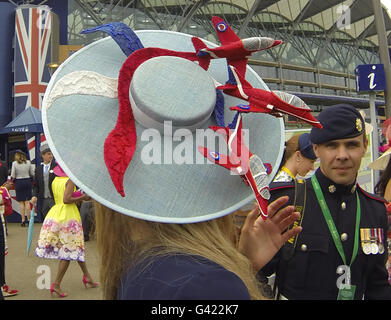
7, 201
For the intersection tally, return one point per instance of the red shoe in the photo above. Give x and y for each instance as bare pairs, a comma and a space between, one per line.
92, 284
59, 293
7, 292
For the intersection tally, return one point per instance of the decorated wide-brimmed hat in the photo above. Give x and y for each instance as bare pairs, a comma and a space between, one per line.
127, 129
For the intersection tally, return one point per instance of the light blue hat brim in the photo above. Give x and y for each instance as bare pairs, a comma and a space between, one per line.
76, 127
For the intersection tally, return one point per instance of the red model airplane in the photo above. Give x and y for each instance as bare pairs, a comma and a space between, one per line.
263, 101
234, 49
242, 162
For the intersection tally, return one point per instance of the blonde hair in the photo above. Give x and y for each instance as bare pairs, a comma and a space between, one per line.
20, 157
215, 240
291, 146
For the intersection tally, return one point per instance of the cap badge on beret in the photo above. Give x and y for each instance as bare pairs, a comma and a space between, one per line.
358, 125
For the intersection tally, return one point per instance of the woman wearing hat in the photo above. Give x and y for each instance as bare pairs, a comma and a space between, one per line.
298, 159
22, 172
163, 218
61, 235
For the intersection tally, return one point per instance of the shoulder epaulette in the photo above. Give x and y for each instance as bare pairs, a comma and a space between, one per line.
371, 195
281, 185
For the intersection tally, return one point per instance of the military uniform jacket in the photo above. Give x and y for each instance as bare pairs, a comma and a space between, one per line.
311, 272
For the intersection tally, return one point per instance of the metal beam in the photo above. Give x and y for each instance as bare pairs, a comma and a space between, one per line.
88, 9
383, 51
191, 13
250, 14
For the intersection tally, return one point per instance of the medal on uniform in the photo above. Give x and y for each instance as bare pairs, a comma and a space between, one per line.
365, 241
380, 239
374, 246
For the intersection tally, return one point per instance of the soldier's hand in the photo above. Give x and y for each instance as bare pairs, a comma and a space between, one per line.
260, 240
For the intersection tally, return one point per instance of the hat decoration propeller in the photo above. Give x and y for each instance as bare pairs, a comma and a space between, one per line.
121, 140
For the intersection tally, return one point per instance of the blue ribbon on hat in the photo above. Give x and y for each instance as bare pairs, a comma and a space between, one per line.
122, 34
129, 42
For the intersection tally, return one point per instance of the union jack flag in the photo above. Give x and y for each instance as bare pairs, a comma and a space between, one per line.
32, 54
33, 30
31, 145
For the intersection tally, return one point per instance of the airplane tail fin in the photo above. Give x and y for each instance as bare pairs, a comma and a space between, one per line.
203, 57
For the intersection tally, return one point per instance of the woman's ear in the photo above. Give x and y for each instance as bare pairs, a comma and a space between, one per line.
298, 155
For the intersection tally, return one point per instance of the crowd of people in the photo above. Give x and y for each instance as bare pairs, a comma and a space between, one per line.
57, 202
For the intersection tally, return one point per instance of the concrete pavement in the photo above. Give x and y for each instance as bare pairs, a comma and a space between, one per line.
30, 274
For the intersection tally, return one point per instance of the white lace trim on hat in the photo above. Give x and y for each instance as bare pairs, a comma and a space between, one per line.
82, 82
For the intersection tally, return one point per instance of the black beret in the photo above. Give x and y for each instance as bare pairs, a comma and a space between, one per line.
340, 121
305, 146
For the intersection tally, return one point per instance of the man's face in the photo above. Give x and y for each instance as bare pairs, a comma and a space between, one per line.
47, 157
340, 159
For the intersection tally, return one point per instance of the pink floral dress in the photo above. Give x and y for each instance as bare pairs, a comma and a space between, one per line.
61, 235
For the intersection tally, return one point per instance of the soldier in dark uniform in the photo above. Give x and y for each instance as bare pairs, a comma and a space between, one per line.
341, 252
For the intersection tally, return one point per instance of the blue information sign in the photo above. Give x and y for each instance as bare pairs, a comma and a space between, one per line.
370, 77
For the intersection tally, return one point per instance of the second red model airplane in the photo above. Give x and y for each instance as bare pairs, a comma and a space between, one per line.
242, 162
264, 101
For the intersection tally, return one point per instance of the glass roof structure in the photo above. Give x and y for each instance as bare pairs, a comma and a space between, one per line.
317, 33
324, 40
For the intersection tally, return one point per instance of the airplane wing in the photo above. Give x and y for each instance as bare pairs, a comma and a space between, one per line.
218, 158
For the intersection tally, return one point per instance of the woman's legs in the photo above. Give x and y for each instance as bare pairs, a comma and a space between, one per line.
62, 268
27, 209
22, 210
87, 277
83, 267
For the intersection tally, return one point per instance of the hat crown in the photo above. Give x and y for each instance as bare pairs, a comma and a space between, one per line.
305, 146
44, 147
172, 89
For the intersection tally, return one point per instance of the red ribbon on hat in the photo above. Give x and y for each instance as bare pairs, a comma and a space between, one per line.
120, 144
